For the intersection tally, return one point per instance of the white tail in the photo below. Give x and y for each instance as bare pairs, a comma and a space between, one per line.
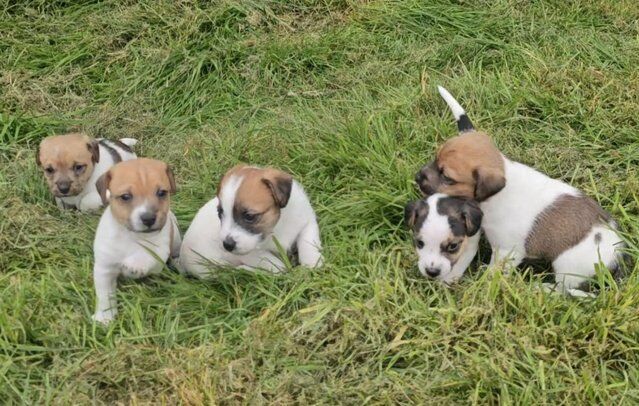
454, 105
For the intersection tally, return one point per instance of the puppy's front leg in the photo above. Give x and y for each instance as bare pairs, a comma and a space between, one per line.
309, 245
265, 260
505, 258
105, 281
90, 202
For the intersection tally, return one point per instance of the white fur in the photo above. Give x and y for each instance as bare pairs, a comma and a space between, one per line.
433, 232
510, 214
202, 247
121, 252
89, 198
454, 106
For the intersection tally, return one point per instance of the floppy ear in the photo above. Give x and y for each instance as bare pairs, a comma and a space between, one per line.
169, 174
410, 214
102, 184
280, 184
472, 215
94, 148
488, 182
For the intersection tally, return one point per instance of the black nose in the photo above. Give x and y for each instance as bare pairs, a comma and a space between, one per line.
63, 187
148, 219
229, 244
433, 272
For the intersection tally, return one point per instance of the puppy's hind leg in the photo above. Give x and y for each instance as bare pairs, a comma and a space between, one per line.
505, 258
309, 246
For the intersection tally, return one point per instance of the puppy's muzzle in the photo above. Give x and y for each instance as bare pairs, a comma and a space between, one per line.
427, 178
64, 186
433, 272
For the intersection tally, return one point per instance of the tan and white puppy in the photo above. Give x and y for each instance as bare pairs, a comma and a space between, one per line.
526, 213
137, 232
254, 208
72, 163
446, 234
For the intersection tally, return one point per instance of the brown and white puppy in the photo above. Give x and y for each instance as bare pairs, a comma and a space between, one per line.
446, 234
137, 232
72, 163
526, 213
255, 210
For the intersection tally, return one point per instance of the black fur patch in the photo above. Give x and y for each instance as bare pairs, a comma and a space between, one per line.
464, 124
115, 155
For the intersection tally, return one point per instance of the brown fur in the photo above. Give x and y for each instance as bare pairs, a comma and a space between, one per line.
473, 164
264, 191
562, 225
59, 155
142, 178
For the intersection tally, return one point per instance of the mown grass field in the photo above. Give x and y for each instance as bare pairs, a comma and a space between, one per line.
343, 95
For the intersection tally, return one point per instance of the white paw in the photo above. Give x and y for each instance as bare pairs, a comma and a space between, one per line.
136, 266
104, 317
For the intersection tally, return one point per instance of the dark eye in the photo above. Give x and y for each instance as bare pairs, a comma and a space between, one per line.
49, 170
250, 217
126, 197
220, 211
420, 244
452, 247
162, 193
447, 180
78, 168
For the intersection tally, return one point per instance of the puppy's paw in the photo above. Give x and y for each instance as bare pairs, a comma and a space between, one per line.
137, 266
104, 317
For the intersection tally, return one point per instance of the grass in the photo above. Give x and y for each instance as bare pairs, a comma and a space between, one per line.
342, 94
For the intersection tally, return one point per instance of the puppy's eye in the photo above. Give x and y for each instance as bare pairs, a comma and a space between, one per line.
79, 168
220, 212
452, 247
419, 244
126, 197
447, 180
250, 217
162, 193
49, 170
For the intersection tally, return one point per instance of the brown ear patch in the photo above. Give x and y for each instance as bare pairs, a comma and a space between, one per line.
280, 184
415, 214
562, 225
102, 184
488, 182
169, 174
94, 147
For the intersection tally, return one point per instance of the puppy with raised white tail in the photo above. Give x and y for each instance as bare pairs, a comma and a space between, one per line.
526, 213
446, 234
255, 210
72, 163
137, 232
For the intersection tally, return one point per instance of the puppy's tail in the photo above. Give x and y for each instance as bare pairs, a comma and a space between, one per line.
463, 122
129, 142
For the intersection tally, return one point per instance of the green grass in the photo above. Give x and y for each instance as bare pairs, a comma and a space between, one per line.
343, 95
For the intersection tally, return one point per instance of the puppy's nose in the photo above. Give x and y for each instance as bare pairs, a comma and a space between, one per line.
63, 186
433, 272
148, 219
229, 244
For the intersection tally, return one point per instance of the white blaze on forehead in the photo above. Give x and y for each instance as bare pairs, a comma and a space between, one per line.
435, 229
134, 218
227, 199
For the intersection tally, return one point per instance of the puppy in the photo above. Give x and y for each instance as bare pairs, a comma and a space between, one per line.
137, 232
256, 209
72, 164
526, 213
446, 234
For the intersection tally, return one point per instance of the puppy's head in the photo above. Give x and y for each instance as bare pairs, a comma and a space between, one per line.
67, 162
138, 192
250, 203
468, 165
441, 227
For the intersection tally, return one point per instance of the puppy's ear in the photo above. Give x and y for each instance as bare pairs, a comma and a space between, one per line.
280, 184
488, 181
410, 214
169, 174
413, 211
38, 162
102, 184
94, 148
472, 215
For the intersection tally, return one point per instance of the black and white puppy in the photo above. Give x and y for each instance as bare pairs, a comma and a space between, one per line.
446, 234
526, 213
